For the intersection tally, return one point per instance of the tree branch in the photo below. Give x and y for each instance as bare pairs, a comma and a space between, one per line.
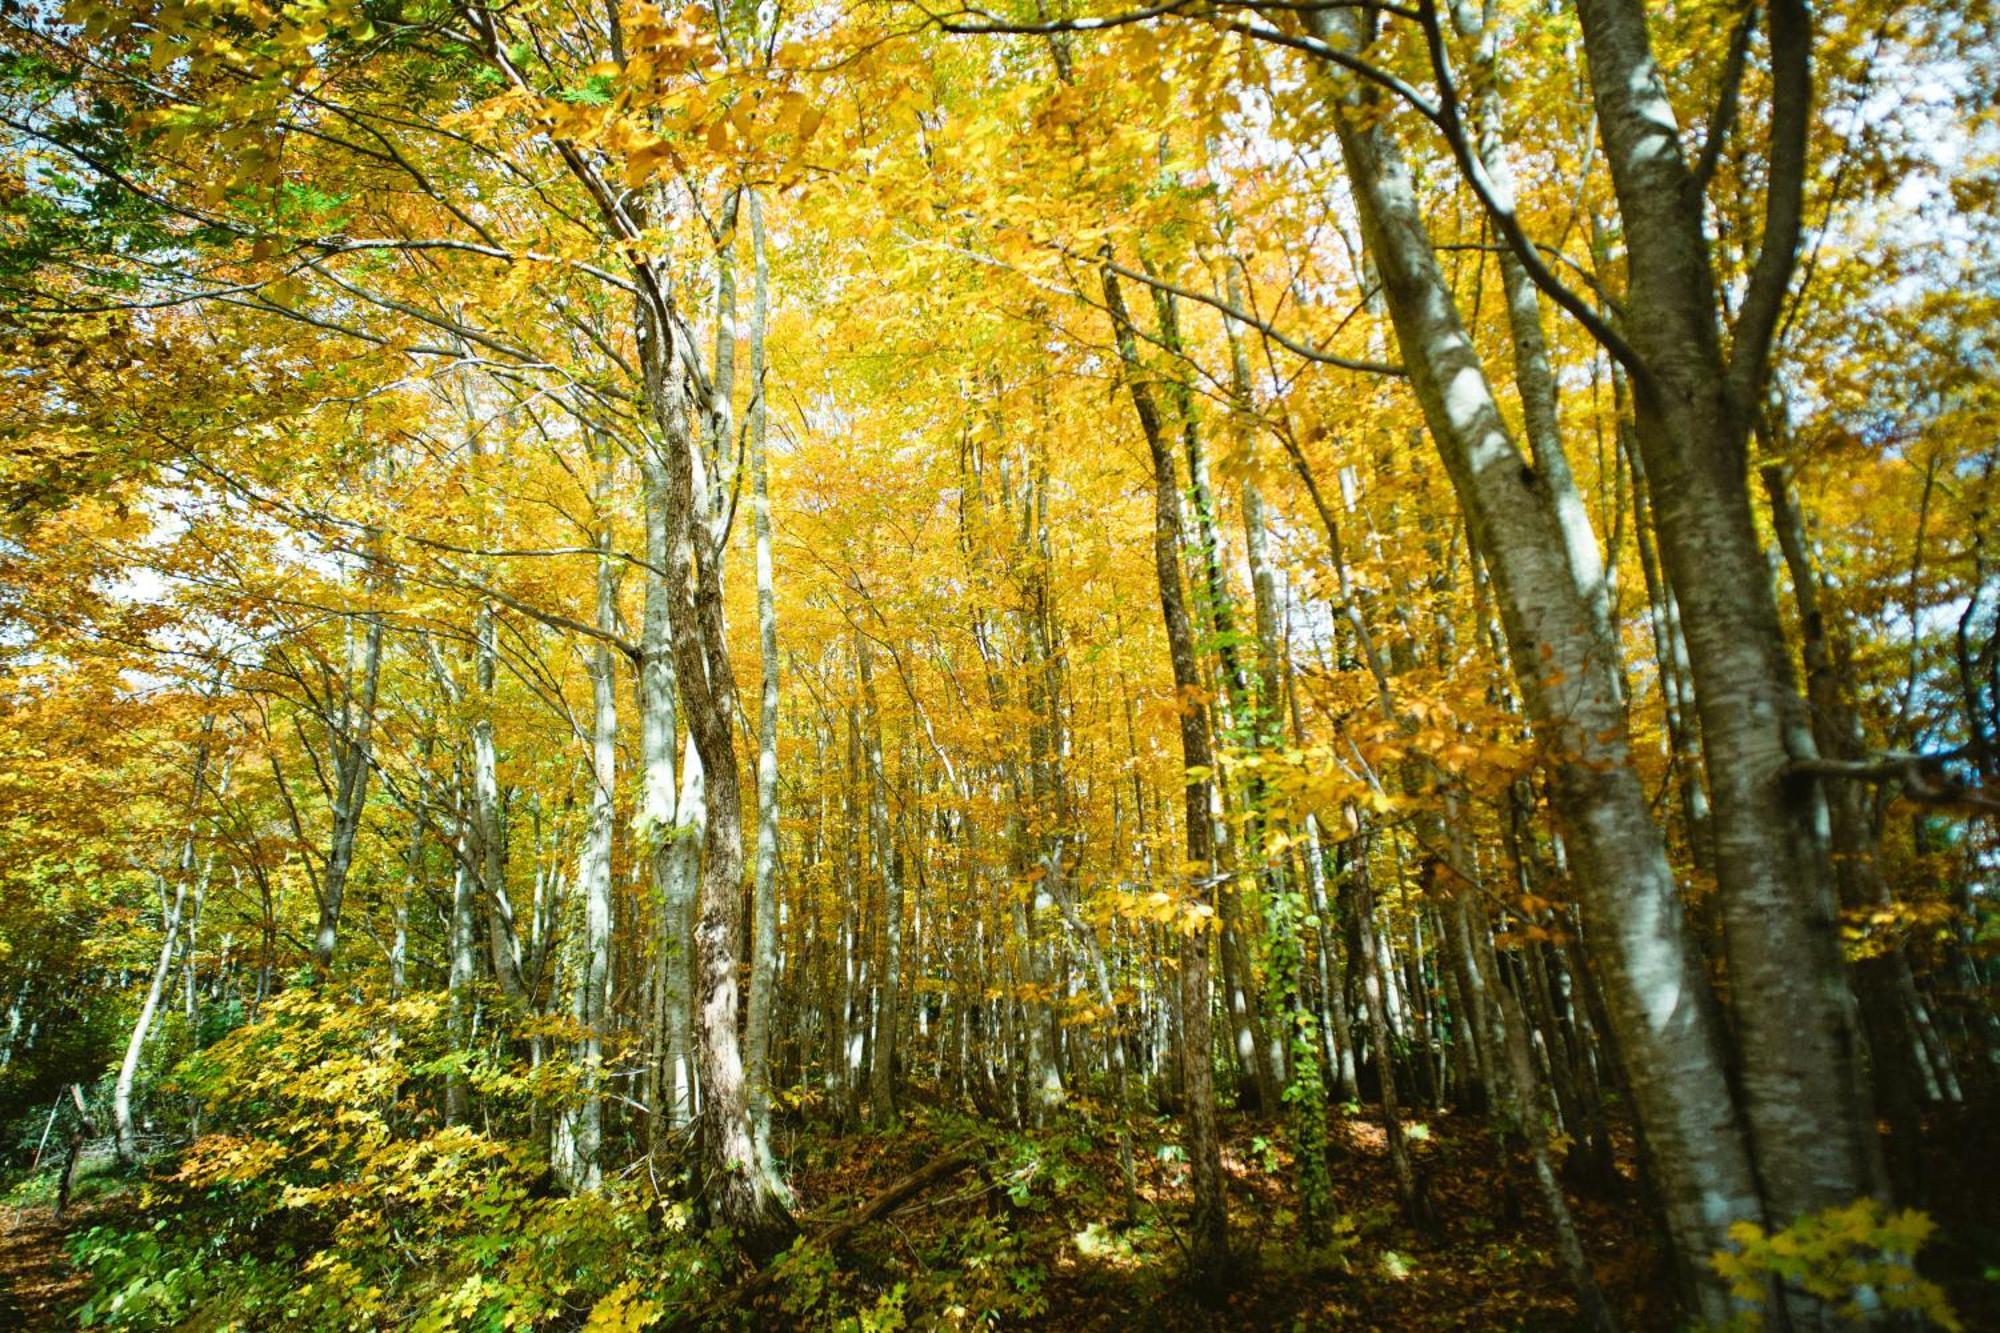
1501, 211
1243, 317
1784, 205
1724, 118
1924, 778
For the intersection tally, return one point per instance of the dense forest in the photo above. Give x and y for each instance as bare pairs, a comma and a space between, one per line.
1215, 664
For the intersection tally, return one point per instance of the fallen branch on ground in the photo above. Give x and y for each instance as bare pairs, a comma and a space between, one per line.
833, 1236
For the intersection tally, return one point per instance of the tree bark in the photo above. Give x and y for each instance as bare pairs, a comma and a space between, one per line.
882, 1058
463, 943
1208, 1227
737, 1192
1247, 1038
1410, 1187
580, 1132
1654, 980
124, 1127
1802, 1050
352, 762
1895, 1048
764, 890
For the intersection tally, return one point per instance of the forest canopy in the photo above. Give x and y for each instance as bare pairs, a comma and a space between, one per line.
1233, 663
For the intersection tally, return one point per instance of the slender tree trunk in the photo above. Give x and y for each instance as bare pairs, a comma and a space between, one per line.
413, 870
1048, 798
1332, 974
352, 761
1410, 1187
128, 1069
882, 1058
1895, 1048
1507, 1026
1305, 1093
737, 1192
489, 829
580, 1133
1670, 654
464, 945
124, 1127
1534, 376
764, 892
1208, 1228
669, 843
1247, 1037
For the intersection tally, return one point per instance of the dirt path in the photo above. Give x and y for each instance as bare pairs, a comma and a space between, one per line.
38, 1290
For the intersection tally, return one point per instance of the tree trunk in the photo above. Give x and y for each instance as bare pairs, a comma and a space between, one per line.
1247, 1037
1410, 1188
580, 1133
1208, 1227
128, 1069
737, 1192
882, 1057
352, 761
1894, 1047
490, 835
124, 1128
464, 944
660, 827
1655, 984
1802, 1049
764, 891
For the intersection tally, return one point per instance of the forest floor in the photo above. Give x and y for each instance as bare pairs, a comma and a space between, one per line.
1032, 1232
38, 1288
1488, 1263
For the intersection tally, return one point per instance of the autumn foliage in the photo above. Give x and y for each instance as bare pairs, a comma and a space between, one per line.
1342, 661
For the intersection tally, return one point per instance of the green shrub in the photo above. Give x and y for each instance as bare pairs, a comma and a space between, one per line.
330, 1194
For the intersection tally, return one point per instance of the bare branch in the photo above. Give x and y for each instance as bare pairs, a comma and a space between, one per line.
1290, 344
1724, 118
1784, 204
1924, 778
1501, 211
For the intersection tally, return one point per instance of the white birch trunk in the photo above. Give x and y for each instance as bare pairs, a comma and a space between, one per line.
764, 889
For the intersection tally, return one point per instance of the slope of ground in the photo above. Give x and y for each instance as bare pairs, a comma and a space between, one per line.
1036, 1233
38, 1288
